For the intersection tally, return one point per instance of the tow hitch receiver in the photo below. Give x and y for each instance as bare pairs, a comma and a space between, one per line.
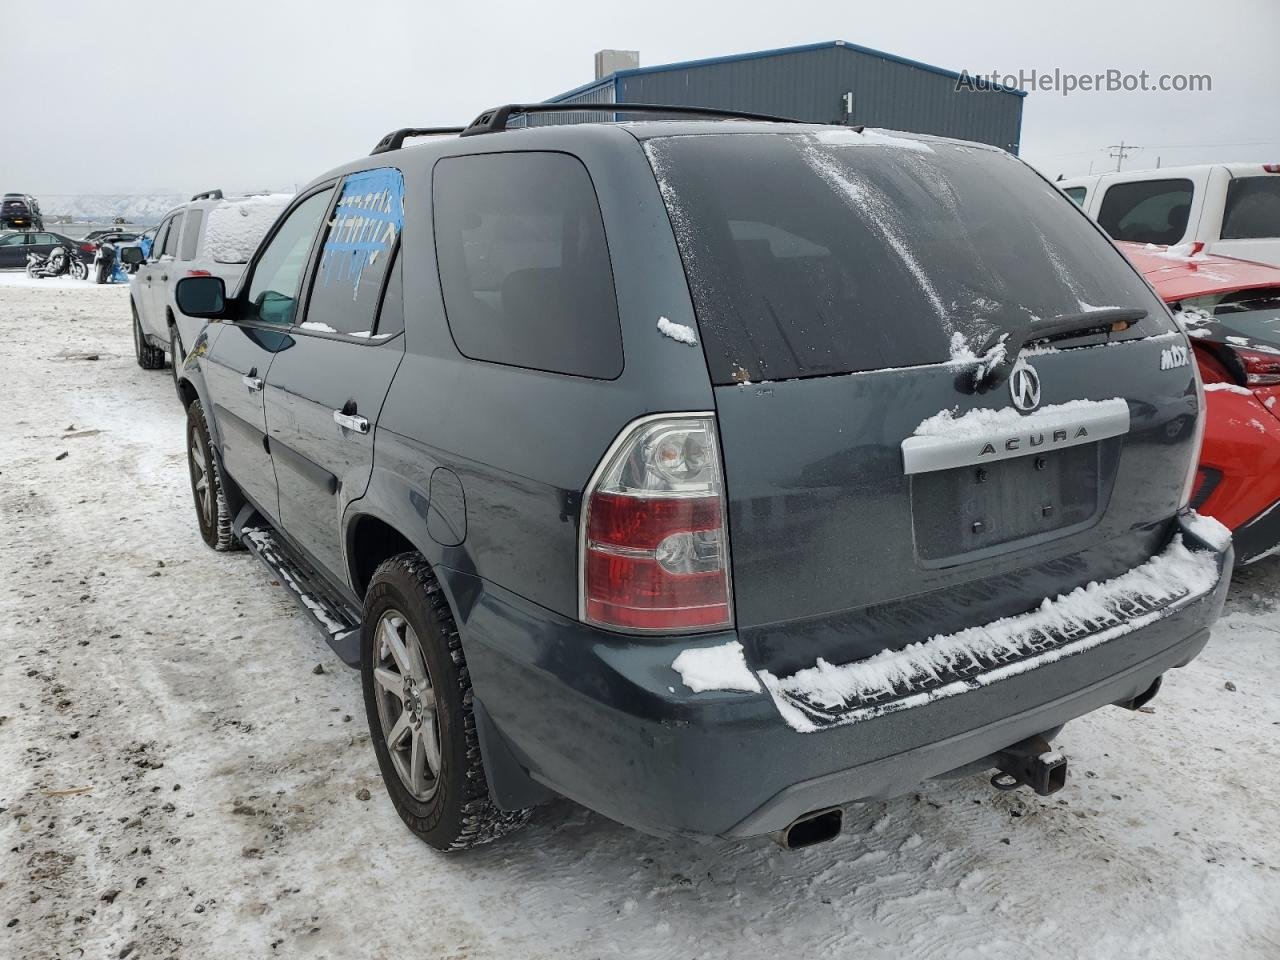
1032, 762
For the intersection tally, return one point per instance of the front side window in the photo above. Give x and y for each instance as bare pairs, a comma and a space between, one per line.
1252, 211
162, 233
524, 265
1147, 211
170, 246
358, 245
277, 276
13, 240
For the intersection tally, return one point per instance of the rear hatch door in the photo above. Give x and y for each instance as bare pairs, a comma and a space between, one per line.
847, 288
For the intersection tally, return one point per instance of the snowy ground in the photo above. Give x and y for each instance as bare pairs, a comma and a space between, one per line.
176, 780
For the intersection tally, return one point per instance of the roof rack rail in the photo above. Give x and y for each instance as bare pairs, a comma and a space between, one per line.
495, 119
396, 138
208, 195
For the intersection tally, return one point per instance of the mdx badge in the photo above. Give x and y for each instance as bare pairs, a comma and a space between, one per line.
1024, 386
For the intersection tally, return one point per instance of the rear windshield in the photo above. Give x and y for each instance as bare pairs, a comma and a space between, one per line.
1253, 314
1252, 210
835, 252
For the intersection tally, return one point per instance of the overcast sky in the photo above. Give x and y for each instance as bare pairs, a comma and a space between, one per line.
161, 97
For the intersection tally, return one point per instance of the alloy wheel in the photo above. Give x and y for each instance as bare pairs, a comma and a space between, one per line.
406, 702
200, 480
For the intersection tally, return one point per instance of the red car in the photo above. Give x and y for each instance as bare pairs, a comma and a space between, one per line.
1231, 309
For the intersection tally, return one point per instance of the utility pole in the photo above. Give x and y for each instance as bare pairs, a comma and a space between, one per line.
1121, 152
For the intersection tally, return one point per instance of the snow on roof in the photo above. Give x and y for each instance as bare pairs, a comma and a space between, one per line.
236, 226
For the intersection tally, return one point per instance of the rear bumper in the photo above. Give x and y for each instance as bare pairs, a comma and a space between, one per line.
605, 721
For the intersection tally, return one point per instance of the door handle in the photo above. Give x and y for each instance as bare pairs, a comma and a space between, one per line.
351, 421
253, 383
164, 277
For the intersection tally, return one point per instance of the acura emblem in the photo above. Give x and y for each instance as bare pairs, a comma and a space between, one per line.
1024, 385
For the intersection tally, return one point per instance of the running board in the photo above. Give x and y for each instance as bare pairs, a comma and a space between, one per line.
337, 620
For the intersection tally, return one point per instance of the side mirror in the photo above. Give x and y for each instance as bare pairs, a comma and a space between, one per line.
132, 255
201, 297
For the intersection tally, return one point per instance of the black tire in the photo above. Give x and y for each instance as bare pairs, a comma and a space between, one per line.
213, 514
149, 357
458, 813
78, 270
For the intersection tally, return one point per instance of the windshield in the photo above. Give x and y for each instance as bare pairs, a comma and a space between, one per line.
1251, 314
834, 252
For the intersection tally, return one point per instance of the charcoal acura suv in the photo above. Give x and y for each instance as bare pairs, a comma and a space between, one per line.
715, 473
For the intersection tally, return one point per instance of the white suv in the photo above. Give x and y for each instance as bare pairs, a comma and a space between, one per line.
1231, 209
207, 236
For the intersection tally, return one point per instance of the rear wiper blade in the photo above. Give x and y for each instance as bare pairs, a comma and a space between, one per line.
1005, 348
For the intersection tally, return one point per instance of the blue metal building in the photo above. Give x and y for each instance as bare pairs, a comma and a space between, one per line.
833, 82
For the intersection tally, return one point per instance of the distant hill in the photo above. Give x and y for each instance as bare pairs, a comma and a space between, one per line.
103, 208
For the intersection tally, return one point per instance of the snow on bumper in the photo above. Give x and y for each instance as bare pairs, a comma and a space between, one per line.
824, 695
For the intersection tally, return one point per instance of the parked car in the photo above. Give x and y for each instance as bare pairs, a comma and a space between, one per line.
14, 247
713, 474
110, 235
20, 212
1231, 209
1231, 308
207, 236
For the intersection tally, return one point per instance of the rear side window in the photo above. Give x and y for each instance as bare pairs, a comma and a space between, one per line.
1148, 211
1252, 211
524, 266
1076, 194
835, 252
191, 236
356, 253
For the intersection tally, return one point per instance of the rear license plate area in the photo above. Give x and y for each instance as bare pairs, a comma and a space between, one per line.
973, 508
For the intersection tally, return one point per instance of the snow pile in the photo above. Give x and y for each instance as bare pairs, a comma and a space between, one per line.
980, 423
715, 668
868, 137
1177, 251
1227, 388
1209, 529
677, 332
235, 227
317, 327
901, 674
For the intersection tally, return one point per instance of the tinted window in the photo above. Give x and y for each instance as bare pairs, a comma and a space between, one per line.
391, 315
170, 246
523, 263
12, 240
1253, 208
191, 235
277, 276
358, 243
45, 238
1149, 211
1076, 194
813, 254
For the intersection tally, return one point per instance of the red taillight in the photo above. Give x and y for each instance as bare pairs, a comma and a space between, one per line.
88, 247
655, 551
199, 273
1260, 369
1271, 167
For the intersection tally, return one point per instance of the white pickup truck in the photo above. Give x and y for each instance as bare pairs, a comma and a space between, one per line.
1230, 209
208, 235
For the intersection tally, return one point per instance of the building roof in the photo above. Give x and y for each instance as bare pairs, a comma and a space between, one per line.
757, 54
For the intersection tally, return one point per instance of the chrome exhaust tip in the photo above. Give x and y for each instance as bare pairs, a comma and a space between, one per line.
819, 826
